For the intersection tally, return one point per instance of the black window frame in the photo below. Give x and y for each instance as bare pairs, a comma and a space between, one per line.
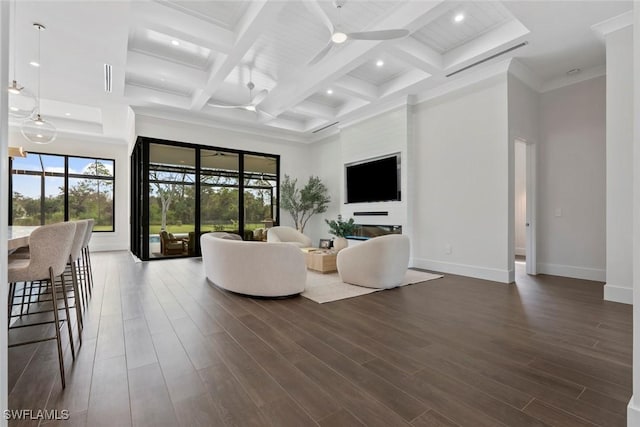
65, 176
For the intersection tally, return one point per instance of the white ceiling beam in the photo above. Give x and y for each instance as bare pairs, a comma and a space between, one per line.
313, 109
485, 45
166, 20
258, 18
418, 55
356, 87
410, 15
401, 82
153, 66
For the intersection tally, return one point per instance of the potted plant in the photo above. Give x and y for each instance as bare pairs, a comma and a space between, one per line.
341, 229
303, 203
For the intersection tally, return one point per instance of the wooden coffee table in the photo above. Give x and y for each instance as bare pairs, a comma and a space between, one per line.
321, 260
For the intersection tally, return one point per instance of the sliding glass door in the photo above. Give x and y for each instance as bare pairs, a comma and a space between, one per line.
180, 191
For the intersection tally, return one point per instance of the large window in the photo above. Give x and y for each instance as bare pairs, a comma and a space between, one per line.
48, 188
180, 191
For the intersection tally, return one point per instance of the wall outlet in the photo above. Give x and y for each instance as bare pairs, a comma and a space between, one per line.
447, 249
558, 212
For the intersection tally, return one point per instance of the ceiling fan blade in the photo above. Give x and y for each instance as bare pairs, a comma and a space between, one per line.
321, 54
260, 96
263, 116
315, 8
379, 35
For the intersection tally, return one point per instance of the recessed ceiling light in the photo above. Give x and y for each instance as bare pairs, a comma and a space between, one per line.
329, 91
13, 108
459, 17
67, 114
34, 64
175, 42
379, 63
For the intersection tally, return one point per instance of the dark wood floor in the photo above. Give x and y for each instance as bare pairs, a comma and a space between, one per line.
164, 347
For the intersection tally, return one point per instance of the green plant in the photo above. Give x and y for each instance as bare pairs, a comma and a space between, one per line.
303, 203
341, 228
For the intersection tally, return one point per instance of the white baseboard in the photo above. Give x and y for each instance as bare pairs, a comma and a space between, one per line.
599, 275
633, 414
106, 247
494, 274
615, 293
521, 251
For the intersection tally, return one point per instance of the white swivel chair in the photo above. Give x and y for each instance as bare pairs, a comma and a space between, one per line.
283, 234
380, 262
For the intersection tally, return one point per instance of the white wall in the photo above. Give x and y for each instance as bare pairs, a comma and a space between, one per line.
4, 166
327, 165
619, 152
295, 157
100, 241
520, 198
461, 151
571, 181
378, 136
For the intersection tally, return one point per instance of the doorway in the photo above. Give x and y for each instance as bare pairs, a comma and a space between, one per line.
524, 199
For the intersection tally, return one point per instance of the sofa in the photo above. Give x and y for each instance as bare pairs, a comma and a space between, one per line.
284, 234
253, 268
380, 262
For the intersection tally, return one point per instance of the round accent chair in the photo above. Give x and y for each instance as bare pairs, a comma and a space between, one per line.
380, 262
253, 268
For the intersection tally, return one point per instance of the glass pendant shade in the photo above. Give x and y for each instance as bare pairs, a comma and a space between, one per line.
22, 103
38, 130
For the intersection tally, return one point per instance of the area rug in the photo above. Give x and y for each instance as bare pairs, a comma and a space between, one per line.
323, 288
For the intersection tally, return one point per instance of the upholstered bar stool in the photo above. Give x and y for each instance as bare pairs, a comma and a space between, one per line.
86, 269
50, 246
74, 257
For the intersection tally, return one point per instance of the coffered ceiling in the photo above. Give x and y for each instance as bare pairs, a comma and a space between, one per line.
175, 58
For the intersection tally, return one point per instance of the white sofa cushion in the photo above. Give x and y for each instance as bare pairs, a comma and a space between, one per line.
284, 234
380, 262
253, 268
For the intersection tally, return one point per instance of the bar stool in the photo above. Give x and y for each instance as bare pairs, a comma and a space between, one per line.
86, 269
50, 247
74, 257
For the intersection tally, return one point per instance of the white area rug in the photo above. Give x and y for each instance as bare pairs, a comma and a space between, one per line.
323, 288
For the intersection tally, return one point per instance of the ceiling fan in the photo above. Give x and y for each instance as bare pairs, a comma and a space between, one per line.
339, 37
253, 101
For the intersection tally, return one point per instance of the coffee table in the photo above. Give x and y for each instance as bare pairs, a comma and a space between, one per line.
320, 260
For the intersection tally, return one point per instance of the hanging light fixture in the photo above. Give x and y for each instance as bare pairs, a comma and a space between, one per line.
35, 128
22, 103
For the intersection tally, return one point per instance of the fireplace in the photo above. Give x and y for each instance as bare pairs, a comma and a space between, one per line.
365, 231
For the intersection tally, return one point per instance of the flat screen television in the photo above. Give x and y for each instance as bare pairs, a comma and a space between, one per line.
376, 180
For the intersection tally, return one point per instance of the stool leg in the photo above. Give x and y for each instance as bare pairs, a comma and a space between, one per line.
66, 309
76, 300
57, 326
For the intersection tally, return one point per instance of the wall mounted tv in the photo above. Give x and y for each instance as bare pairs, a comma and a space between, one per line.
374, 180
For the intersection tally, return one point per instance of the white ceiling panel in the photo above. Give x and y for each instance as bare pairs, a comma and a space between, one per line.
160, 84
443, 34
335, 100
162, 45
377, 75
225, 14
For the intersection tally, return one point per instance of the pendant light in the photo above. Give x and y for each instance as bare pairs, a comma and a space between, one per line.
35, 128
21, 101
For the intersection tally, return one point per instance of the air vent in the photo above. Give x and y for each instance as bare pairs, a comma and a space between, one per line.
518, 46
325, 127
108, 78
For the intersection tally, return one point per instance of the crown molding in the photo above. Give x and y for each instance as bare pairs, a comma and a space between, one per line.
614, 24
525, 75
285, 136
588, 74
